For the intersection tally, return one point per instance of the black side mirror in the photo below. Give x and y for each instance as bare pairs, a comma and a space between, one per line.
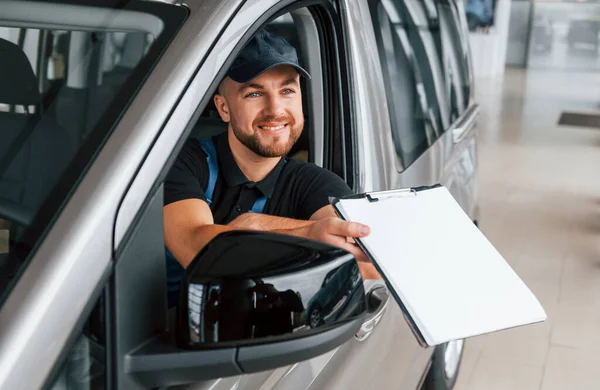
253, 301
246, 288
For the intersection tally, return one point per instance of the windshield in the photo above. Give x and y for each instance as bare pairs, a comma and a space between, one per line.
67, 73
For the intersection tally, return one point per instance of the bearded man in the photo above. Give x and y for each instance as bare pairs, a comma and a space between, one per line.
242, 179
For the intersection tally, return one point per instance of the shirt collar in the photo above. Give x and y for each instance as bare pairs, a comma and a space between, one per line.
234, 176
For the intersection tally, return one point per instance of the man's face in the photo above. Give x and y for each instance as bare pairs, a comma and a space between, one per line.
265, 114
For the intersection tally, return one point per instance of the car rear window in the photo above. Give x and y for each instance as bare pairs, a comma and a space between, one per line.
68, 70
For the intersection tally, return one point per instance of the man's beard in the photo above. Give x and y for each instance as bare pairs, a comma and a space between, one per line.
274, 149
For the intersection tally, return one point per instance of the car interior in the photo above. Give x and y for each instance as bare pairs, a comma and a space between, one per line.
49, 104
55, 85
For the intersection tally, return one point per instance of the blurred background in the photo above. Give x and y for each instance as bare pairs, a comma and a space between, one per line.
537, 70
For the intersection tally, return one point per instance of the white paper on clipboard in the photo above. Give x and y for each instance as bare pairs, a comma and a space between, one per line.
450, 280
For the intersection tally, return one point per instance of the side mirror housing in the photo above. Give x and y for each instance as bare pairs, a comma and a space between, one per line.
253, 301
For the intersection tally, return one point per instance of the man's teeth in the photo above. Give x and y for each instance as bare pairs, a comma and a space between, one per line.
273, 128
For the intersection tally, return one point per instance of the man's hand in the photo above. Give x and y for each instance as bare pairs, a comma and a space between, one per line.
335, 231
367, 269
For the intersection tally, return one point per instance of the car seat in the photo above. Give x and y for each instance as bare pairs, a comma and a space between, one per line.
34, 150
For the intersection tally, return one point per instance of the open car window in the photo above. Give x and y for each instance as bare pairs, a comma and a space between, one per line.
68, 71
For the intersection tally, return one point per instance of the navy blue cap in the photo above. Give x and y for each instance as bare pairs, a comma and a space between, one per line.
263, 52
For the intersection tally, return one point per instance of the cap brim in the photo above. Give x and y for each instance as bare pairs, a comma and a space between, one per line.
248, 72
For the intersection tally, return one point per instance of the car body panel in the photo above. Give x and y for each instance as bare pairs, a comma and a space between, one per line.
77, 254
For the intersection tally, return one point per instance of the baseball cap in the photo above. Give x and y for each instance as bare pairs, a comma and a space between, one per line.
263, 52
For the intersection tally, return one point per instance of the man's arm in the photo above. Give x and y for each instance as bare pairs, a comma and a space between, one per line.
299, 228
328, 233
189, 226
254, 221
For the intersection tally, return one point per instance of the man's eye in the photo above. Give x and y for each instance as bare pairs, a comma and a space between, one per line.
288, 91
253, 95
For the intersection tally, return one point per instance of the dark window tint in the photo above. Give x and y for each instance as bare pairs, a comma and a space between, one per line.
68, 71
411, 96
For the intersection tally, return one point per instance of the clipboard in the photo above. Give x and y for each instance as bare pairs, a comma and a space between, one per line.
407, 292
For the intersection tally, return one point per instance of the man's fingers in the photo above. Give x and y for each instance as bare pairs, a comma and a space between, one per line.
340, 227
356, 251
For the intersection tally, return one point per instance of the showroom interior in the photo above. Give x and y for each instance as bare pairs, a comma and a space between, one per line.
540, 201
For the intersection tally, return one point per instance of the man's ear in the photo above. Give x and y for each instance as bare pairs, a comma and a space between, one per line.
222, 107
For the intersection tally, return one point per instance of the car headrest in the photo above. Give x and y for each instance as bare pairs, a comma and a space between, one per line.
208, 127
18, 84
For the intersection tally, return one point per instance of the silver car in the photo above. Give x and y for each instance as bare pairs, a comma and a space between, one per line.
96, 100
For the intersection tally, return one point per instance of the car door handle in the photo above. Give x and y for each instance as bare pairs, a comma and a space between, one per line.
465, 123
377, 301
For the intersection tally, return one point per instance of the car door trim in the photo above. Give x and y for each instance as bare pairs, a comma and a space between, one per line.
373, 319
463, 126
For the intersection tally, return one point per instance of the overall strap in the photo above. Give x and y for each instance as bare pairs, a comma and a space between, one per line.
259, 205
213, 166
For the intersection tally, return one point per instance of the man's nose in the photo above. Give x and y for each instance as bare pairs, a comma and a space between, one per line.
275, 106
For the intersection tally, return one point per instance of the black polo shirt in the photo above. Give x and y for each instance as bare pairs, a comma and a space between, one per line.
294, 189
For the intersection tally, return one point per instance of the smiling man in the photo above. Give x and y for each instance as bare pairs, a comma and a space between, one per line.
242, 178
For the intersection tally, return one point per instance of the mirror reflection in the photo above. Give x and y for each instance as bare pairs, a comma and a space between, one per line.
276, 299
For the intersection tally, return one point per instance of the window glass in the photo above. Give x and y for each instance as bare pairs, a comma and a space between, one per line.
85, 365
66, 76
422, 26
455, 59
414, 117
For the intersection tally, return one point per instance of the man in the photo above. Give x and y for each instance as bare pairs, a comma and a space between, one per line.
256, 186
